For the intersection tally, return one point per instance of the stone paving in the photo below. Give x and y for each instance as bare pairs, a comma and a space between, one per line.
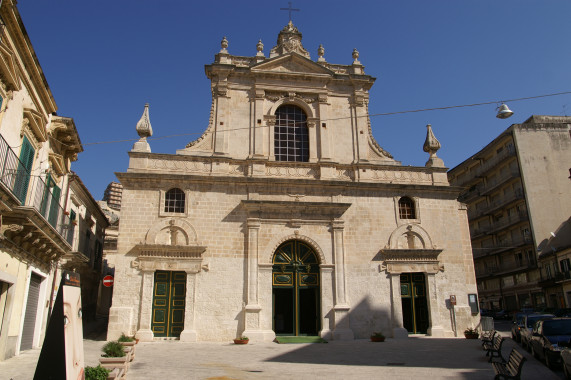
415, 357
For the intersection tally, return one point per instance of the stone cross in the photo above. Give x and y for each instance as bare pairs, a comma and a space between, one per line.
290, 9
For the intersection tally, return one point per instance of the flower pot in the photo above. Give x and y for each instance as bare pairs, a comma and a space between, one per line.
471, 335
111, 363
241, 341
377, 339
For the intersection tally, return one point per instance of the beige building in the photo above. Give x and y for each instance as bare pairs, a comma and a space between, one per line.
518, 194
286, 217
112, 195
36, 149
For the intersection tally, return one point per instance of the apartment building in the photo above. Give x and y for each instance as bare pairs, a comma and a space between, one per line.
517, 192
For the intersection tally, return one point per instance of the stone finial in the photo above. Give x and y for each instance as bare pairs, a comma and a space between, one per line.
260, 49
356, 57
431, 146
144, 129
224, 46
320, 53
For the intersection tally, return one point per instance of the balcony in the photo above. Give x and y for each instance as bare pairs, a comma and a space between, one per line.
501, 270
499, 181
502, 246
32, 217
493, 162
547, 280
499, 225
474, 212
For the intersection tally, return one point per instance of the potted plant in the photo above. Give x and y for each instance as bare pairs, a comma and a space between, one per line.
377, 337
471, 333
96, 373
128, 344
114, 356
241, 340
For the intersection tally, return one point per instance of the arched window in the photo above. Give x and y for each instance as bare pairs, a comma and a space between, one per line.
406, 208
291, 139
174, 201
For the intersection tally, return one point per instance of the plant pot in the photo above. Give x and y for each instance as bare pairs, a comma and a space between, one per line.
377, 339
111, 363
241, 341
471, 335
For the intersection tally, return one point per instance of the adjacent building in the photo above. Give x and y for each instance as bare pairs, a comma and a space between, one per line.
112, 195
36, 151
286, 217
518, 195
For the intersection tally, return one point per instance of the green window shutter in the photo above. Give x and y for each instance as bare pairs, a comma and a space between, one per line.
54, 207
27, 153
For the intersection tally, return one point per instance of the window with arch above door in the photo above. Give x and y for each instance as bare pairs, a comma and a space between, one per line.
291, 137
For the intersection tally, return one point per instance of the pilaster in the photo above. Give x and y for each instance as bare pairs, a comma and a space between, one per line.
324, 129
189, 332
342, 330
144, 333
399, 331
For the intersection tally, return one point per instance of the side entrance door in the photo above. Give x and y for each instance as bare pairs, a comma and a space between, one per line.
295, 293
168, 303
414, 304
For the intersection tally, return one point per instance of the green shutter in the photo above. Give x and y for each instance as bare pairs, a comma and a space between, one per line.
27, 153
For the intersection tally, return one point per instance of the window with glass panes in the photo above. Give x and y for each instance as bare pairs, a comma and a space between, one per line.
174, 201
291, 138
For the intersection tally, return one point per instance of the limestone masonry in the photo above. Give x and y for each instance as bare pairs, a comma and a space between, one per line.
286, 216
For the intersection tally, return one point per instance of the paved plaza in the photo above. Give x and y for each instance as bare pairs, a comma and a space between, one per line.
416, 357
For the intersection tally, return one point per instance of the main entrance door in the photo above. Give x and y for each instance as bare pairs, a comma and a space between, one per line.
295, 280
168, 303
414, 306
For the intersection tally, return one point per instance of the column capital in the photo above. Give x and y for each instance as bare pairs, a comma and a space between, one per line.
254, 223
338, 224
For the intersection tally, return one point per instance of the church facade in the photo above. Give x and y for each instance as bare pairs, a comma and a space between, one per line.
286, 217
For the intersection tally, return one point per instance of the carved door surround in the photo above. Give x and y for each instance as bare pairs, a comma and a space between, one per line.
410, 249
170, 245
295, 214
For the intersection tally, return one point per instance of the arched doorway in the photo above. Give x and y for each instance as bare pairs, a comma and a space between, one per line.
295, 293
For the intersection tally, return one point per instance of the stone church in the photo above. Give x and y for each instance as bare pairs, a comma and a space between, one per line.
286, 217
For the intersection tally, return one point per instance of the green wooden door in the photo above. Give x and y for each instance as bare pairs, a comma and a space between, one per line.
414, 304
168, 303
296, 295
24, 169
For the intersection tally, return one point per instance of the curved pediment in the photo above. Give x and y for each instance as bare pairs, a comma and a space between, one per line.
291, 63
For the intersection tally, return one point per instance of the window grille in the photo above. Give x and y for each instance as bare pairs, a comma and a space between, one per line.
174, 201
291, 138
406, 208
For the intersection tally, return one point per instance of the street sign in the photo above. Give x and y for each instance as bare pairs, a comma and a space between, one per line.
108, 281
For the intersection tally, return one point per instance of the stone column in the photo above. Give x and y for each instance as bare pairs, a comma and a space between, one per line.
189, 332
271, 123
396, 308
324, 129
327, 319
435, 328
222, 118
259, 127
311, 129
252, 310
361, 127
144, 334
341, 309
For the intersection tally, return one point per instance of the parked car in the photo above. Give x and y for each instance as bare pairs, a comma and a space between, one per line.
518, 324
529, 322
502, 314
566, 361
548, 338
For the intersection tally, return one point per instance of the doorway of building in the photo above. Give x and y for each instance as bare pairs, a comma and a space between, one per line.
414, 304
169, 295
31, 314
295, 295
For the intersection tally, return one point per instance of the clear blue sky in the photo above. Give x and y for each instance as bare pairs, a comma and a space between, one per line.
105, 59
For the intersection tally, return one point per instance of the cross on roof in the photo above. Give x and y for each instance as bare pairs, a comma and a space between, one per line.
290, 9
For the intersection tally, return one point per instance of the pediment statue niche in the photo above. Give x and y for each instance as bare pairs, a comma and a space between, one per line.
175, 232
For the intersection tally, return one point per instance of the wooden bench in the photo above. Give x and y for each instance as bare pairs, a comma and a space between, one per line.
511, 369
494, 349
488, 337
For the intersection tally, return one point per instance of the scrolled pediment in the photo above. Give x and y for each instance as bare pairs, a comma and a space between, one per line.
410, 260
152, 257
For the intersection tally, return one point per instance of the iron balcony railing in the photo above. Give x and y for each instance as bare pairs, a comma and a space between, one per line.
32, 190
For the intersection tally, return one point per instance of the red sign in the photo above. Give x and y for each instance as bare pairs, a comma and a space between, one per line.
108, 281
